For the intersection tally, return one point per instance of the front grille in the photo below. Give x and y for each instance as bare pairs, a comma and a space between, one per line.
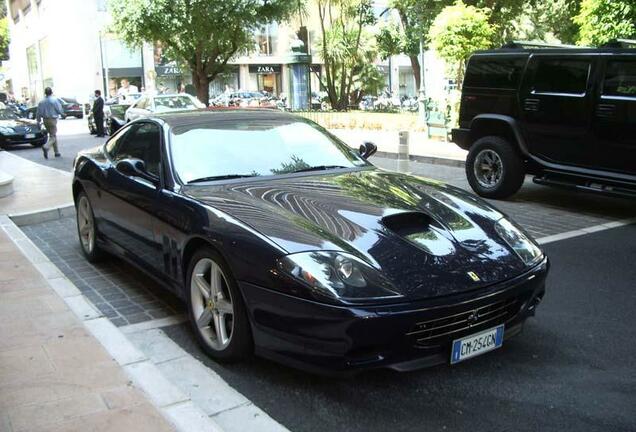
436, 331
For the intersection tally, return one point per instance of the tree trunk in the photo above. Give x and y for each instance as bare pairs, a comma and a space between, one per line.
415, 65
202, 84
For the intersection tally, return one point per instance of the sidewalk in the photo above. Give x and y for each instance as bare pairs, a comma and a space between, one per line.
35, 186
54, 375
420, 147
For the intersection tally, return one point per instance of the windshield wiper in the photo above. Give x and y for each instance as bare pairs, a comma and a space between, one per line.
221, 177
318, 168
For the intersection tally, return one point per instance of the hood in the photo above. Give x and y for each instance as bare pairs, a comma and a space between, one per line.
20, 125
425, 236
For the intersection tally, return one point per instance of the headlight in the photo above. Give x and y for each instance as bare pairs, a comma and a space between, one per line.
527, 249
337, 276
7, 130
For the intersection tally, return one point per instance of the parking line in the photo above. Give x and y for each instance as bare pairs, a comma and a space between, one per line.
584, 231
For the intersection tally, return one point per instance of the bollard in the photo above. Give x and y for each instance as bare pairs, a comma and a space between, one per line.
403, 152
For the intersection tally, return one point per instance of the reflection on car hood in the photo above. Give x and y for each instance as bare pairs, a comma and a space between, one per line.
21, 125
425, 236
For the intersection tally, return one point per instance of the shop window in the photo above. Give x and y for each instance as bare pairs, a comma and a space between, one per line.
266, 39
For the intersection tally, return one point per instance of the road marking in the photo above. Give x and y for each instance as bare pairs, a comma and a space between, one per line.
585, 231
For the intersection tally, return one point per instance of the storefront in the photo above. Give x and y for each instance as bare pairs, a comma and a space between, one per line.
266, 77
226, 82
123, 67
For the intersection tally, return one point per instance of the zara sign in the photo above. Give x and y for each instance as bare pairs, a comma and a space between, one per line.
264, 69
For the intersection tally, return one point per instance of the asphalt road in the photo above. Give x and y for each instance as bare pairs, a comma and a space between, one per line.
572, 369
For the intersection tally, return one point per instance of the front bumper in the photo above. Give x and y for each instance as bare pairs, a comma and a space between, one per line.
342, 340
19, 139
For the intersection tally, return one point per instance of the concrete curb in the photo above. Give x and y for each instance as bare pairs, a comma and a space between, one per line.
425, 159
169, 400
44, 215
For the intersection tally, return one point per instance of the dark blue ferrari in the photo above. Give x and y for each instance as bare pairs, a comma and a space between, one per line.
286, 243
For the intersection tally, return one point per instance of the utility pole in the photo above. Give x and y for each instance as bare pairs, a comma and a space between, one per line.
422, 96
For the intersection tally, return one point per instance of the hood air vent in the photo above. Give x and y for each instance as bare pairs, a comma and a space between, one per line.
422, 231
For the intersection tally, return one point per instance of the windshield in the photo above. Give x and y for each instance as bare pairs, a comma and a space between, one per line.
259, 147
6, 114
169, 103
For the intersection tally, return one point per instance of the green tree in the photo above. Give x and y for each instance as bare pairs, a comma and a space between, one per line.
503, 16
458, 31
603, 20
549, 21
202, 34
4, 38
345, 46
416, 17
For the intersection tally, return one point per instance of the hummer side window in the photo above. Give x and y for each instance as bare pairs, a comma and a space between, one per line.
561, 76
620, 78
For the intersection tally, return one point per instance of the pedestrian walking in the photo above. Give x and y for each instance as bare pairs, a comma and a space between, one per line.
49, 110
98, 113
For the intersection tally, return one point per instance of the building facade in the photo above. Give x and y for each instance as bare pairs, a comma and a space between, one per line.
63, 44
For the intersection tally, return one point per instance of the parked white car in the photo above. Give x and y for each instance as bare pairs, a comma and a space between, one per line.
155, 104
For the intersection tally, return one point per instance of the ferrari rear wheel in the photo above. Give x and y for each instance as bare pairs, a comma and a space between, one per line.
217, 313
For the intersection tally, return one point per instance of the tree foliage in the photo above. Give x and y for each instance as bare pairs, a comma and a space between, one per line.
603, 20
4, 38
458, 31
416, 17
345, 46
551, 21
202, 34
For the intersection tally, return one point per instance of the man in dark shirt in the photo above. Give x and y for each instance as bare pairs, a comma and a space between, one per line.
98, 113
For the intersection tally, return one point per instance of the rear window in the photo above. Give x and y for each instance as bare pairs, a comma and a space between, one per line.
561, 76
620, 78
502, 73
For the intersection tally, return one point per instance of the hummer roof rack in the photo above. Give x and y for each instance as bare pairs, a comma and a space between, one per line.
536, 44
620, 43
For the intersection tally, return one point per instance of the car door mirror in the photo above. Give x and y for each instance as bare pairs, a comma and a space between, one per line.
135, 168
367, 149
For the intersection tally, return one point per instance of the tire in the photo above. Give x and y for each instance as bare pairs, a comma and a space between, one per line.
87, 228
494, 168
209, 312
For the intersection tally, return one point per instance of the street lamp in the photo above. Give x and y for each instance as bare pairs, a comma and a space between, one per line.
422, 97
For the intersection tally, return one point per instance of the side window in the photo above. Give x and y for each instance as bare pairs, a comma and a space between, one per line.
501, 72
143, 142
111, 145
620, 78
561, 76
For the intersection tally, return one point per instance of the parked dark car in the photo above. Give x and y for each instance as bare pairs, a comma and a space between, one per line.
71, 108
565, 116
17, 131
285, 242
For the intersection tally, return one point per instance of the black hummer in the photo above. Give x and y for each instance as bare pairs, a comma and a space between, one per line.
566, 116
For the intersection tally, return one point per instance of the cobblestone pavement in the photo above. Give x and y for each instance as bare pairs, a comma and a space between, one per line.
122, 293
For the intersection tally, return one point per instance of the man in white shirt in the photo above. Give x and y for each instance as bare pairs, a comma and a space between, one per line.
126, 88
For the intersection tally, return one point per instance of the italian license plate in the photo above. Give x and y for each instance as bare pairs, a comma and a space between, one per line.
477, 344
29, 136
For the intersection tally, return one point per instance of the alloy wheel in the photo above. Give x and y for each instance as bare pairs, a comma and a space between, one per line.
86, 224
488, 168
212, 306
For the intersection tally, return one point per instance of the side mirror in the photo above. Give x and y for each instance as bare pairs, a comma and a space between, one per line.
367, 149
135, 168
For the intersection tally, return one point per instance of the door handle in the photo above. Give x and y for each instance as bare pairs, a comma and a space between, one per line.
605, 110
531, 104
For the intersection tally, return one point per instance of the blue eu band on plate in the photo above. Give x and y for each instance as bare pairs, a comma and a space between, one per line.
477, 344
